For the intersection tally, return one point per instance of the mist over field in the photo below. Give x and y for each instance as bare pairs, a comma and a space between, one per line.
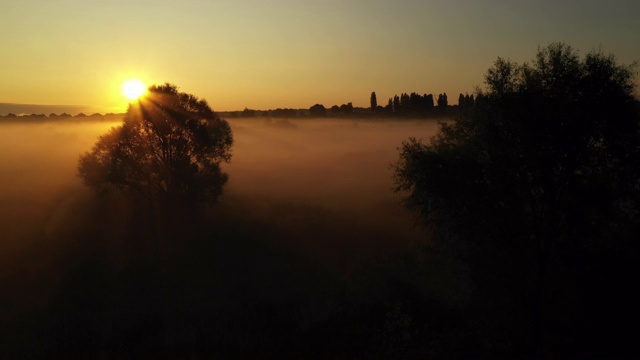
319, 180
336, 167
324, 172
308, 213
38, 166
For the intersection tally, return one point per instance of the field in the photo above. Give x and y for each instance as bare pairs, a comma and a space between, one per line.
308, 226
335, 166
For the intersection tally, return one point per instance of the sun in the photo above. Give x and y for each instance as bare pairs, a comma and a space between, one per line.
133, 89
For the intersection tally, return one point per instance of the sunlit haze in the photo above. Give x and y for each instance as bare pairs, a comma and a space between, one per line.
133, 89
319, 179
269, 54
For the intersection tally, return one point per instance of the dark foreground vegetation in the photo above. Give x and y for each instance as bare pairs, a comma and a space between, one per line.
528, 204
134, 283
536, 189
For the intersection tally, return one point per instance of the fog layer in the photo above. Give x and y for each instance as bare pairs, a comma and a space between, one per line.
308, 213
304, 170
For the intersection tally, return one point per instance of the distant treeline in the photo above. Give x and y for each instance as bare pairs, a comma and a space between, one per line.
59, 116
405, 104
63, 116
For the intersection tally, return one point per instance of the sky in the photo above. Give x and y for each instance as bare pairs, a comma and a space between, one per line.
267, 54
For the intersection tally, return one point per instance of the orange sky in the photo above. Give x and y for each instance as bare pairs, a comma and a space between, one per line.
284, 53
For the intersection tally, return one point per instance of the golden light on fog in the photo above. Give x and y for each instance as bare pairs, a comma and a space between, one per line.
133, 89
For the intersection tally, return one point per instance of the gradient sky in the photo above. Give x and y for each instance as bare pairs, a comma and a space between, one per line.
265, 54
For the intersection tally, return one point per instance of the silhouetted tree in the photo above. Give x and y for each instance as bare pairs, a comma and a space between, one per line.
405, 103
469, 102
465, 102
415, 103
346, 108
442, 102
538, 188
169, 147
248, 112
318, 110
412, 104
396, 104
286, 112
429, 104
374, 101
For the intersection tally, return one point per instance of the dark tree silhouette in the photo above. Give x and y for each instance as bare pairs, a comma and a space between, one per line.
346, 108
410, 104
318, 110
537, 187
469, 101
169, 147
429, 105
405, 103
396, 104
465, 102
248, 112
374, 101
286, 112
443, 102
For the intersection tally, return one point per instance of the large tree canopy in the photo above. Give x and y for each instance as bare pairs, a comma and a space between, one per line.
169, 147
542, 137
538, 183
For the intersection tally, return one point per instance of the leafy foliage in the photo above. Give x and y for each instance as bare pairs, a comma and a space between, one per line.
540, 138
169, 146
537, 182
318, 110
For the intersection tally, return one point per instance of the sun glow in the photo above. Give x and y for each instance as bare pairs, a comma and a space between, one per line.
133, 89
